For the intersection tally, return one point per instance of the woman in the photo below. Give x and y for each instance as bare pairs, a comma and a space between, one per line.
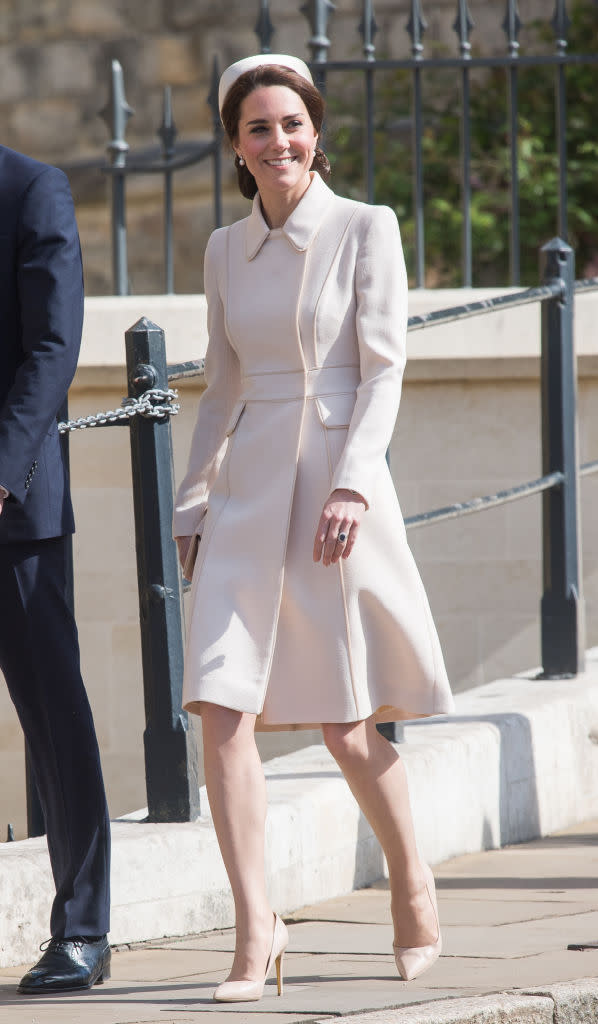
306, 605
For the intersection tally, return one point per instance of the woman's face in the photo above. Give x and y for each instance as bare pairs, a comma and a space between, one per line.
277, 139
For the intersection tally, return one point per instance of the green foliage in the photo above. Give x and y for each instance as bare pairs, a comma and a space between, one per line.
538, 170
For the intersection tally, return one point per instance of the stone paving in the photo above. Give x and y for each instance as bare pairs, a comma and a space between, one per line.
507, 918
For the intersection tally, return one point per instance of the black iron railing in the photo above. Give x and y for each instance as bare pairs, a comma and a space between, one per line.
421, 67
318, 13
561, 619
172, 158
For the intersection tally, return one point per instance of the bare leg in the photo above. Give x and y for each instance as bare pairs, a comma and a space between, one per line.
237, 794
376, 776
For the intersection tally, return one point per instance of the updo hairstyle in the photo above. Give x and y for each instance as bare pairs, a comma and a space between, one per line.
271, 74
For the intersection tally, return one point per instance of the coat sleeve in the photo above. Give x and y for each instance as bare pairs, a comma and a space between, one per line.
381, 324
50, 299
223, 386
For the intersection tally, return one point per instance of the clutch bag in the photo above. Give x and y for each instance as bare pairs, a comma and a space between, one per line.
191, 557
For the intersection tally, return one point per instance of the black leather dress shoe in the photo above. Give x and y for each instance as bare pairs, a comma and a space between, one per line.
68, 964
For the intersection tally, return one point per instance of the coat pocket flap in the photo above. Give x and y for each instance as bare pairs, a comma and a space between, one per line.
336, 410
234, 417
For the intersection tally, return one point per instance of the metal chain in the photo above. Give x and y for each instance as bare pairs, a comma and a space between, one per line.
155, 403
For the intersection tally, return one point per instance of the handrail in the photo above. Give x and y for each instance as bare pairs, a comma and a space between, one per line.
541, 293
464, 508
181, 371
586, 284
526, 490
587, 468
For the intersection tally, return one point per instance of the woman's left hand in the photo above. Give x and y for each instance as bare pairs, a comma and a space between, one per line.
340, 517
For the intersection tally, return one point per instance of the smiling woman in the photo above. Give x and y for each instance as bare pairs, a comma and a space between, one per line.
306, 604
305, 106
277, 141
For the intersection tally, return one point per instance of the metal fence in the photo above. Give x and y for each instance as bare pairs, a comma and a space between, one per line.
420, 67
172, 158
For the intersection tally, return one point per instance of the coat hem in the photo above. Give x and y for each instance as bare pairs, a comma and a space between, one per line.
384, 713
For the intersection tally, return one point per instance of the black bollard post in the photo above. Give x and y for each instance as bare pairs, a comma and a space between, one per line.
562, 604
170, 749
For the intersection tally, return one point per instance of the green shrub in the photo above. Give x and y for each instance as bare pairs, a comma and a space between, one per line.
490, 165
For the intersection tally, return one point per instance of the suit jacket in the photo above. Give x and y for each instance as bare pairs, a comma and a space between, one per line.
304, 365
41, 317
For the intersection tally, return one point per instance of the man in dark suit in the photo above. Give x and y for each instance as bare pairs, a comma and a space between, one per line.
41, 316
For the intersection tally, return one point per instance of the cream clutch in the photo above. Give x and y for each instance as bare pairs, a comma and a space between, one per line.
191, 557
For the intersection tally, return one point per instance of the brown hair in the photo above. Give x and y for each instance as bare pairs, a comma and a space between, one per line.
272, 74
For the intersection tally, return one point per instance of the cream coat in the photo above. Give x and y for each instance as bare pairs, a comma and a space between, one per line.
306, 353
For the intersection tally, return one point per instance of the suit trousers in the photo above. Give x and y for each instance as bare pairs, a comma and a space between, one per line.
39, 656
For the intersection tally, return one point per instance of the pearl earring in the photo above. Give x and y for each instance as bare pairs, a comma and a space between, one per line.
241, 161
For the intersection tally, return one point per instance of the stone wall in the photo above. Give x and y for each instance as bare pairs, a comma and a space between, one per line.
54, 65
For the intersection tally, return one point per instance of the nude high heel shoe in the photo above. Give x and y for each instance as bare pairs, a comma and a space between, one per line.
412, 961
247, 991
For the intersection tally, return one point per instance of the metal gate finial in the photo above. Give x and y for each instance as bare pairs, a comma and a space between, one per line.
416, 26
463, 25
367, 29
317, 13
116, 113
212, 97
561, 23
264, 29
167, 131
511, 26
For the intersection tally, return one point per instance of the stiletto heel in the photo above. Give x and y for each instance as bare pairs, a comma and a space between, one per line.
279, 978
247, 991
412, 961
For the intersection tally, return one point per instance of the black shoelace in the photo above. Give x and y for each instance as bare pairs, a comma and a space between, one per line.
76, 940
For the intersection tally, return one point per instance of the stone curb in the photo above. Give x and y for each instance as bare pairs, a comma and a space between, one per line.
574, 1002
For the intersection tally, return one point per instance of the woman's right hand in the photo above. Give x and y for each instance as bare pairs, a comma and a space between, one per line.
183, 544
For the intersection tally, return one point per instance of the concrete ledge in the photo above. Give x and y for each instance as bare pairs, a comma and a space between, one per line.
505, 344
574, 1002
518, 760
102, 359
503, 1008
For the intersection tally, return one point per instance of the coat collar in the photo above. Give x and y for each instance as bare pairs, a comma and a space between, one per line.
301, 225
